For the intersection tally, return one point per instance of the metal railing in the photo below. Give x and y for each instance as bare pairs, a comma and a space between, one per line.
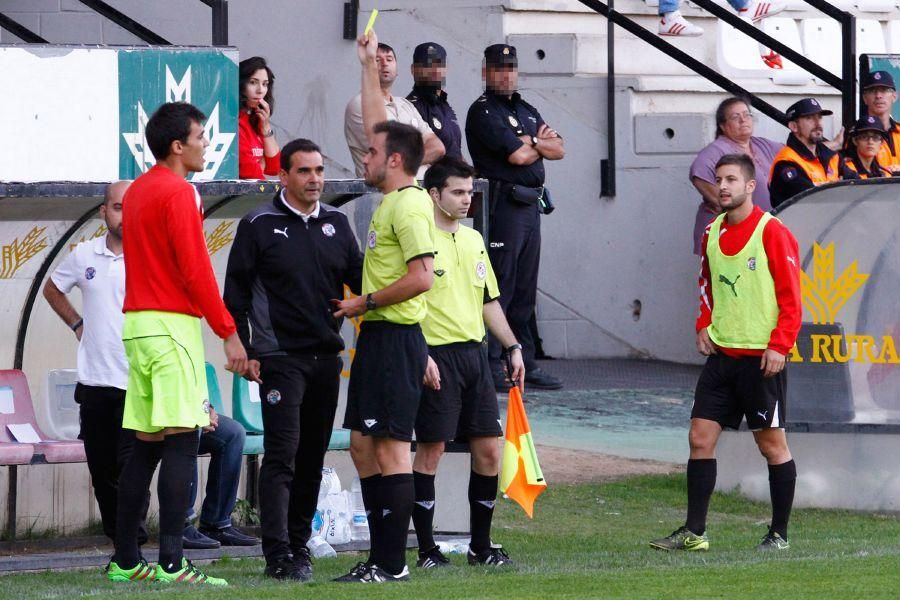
845, 83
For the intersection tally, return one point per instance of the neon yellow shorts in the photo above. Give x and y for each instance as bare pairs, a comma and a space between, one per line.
166, 372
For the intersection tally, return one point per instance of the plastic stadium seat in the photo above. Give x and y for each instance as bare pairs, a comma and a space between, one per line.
245, 404
11, 451
893, 37
876, 5
785, 31
62, 411
213, 389
54, 451
822, 42
869, 37
738, 54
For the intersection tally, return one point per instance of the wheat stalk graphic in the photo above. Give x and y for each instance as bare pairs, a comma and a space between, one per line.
823, 294
18, 252
219, 237
100, 231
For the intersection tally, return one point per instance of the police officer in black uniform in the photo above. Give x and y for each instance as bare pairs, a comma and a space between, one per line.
508, 141
429, 71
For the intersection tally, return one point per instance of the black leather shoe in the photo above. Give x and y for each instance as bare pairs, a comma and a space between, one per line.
229, 536
284, 569
500, 382
192, 539
540, 379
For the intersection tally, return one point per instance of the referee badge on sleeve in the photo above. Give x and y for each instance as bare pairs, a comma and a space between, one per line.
373, 237
481, 269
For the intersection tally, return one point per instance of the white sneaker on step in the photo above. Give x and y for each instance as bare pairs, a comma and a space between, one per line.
757, 10
673, 24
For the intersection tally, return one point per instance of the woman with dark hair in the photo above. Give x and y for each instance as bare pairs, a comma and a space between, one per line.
258, 152
734, 135
860, 155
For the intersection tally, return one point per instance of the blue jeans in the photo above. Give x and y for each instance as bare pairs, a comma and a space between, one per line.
667, 6
226, 448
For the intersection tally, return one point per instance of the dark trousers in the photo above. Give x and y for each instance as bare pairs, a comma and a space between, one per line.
515, 253
299, 398
107, 447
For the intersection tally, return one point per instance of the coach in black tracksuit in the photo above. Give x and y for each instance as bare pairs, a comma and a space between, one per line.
289, 259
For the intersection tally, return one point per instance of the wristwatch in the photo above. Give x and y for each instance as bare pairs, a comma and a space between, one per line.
370, 303
269, 133
513, 347
534, 141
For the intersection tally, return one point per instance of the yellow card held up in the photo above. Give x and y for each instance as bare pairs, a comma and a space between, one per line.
371, 22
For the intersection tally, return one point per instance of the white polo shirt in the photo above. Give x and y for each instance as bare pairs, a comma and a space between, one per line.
100, 275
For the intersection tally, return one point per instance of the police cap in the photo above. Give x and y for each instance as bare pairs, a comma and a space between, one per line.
878, 79
428, 53
500, 55
804, 108
869, 123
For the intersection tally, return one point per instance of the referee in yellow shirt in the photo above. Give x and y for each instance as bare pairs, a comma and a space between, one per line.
459, 401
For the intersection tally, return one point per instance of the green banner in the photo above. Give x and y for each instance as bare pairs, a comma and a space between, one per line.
207, 78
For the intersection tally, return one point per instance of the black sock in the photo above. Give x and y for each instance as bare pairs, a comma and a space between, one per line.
134, 485
782, 479
482, 495
397, 497
370, 486
179, 459
423, 511
701, 481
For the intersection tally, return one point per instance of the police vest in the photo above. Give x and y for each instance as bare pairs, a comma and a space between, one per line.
813, 168
745, 310
848, 162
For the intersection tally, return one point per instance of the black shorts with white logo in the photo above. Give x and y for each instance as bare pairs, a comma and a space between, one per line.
730, 389
466, 405
386, 380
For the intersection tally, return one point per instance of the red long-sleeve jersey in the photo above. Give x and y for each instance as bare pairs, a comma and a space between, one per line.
167, 264
784, 265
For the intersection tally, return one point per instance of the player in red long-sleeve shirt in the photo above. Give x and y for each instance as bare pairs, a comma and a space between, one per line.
750, 314
169, 285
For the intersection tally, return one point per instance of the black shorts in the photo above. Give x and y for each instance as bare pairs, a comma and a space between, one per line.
730, 389
386, 380
466, 405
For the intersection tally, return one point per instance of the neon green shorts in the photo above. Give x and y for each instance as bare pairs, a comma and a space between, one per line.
166, 372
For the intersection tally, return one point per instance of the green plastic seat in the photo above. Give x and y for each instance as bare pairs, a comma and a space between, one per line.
340, 439
253, 444
213, 389
245, 405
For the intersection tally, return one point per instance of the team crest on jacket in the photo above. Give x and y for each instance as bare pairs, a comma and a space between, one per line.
373, 237
751, 263
273, 397
90, 273
328, 229
481, 269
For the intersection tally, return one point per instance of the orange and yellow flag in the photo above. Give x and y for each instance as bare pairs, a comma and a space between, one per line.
521, 478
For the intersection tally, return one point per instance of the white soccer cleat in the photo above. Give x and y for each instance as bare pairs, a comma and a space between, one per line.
673, 24
757, 11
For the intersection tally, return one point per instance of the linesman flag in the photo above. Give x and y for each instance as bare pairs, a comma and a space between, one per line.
521, 478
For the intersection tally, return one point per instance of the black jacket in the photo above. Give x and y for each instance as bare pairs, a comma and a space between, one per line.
282, 273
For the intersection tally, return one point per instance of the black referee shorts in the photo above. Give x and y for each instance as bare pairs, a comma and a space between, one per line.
730, 389
466, 405
386, 380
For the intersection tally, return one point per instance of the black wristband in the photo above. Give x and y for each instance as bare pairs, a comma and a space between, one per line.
513, 347
74, 326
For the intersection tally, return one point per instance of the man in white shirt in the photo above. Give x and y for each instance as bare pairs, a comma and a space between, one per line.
375, 104
97, 268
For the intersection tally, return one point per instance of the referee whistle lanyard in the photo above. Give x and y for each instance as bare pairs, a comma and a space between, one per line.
521, 478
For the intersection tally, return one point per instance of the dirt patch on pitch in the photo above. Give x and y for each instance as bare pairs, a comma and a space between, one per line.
564, 465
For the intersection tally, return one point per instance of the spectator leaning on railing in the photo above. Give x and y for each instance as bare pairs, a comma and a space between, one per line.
734, 135
257, 147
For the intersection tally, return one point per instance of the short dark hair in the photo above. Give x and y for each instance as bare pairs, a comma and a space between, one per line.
386, 48
741, 160
437, 174
295, 146
724, 105
404, 140
171, 121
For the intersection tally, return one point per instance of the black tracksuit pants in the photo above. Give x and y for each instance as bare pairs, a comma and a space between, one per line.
299, 397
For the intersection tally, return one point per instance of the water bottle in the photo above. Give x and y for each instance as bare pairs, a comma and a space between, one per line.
319, 548
331, 483
454, 546
359, 523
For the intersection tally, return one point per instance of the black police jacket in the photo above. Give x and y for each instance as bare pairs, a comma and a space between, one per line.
282, 273
436, 111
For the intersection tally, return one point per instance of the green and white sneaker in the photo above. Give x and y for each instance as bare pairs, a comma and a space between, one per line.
682, 539
187, 574
141, 572
773, 541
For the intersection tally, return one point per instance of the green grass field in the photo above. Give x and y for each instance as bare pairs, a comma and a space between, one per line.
590, 541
